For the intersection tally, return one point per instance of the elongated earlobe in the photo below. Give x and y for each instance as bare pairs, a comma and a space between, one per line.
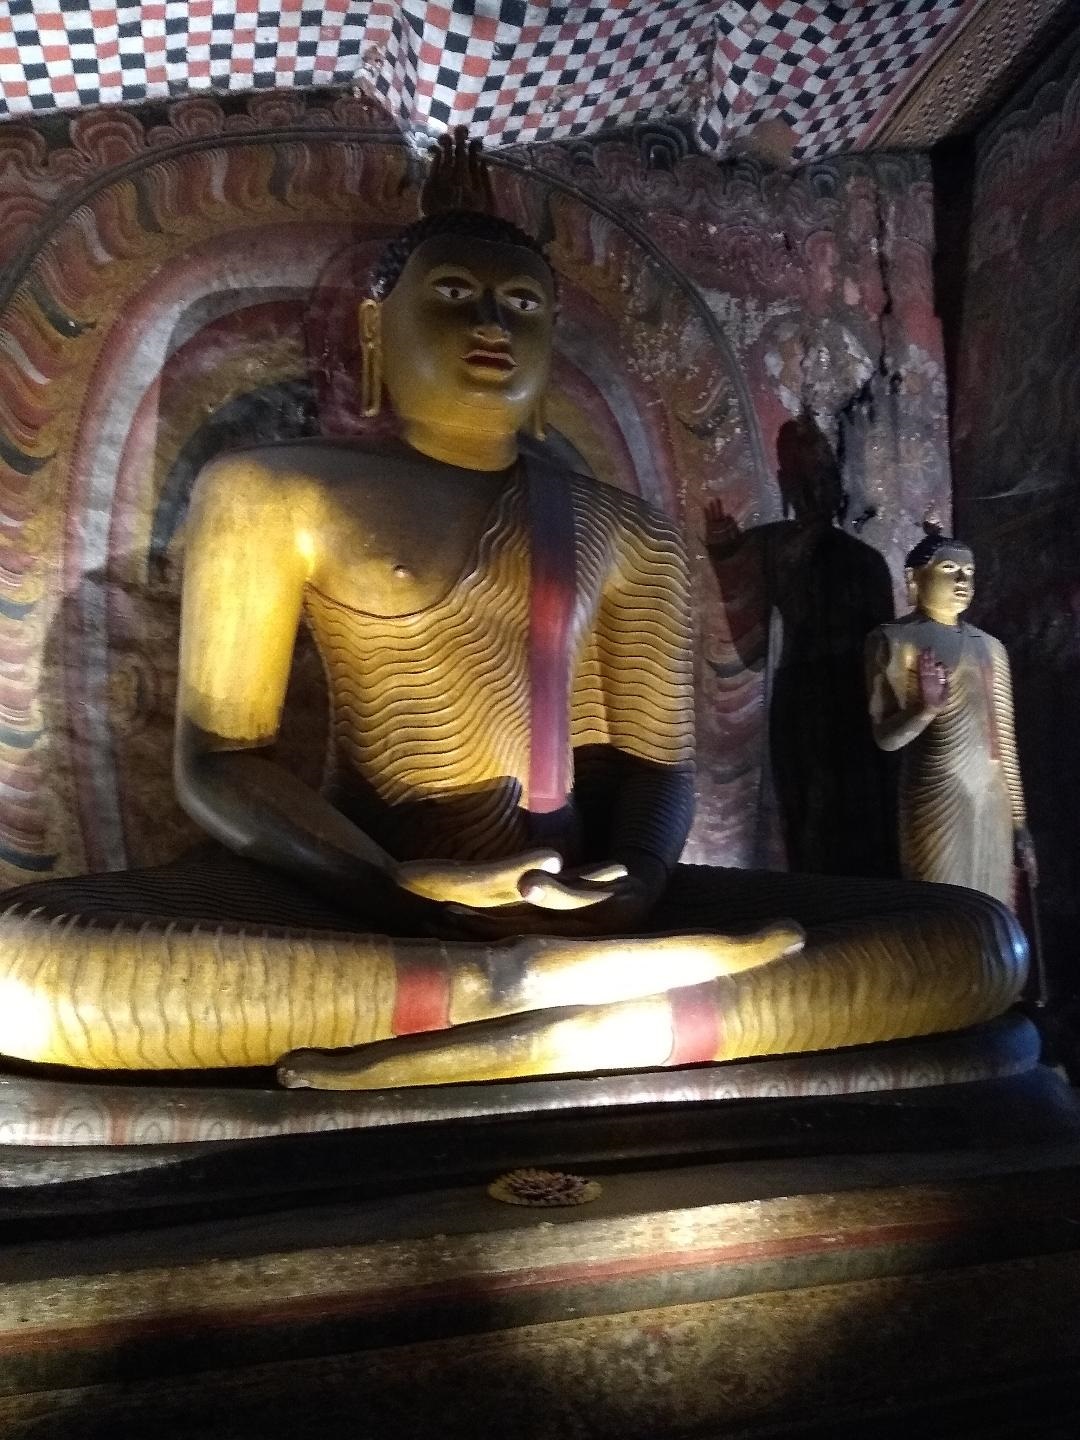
539, 425
370, 357
912, 587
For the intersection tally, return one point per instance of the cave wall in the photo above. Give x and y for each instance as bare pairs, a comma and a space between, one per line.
820, 284
731, 340
1017, 453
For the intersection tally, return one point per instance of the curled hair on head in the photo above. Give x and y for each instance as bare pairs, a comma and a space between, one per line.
933, 541
470, 224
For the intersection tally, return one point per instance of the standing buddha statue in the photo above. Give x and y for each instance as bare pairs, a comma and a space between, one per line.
487, 886
940, 692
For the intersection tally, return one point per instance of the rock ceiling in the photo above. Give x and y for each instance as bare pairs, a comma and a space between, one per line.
796, 80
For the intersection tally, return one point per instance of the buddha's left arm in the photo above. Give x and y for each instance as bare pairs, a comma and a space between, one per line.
1002, 699
643, 646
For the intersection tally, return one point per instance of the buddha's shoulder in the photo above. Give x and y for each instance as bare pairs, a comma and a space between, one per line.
291, 464
905, 633
623, 514
990, 644
906, 626
916, 632
300, 480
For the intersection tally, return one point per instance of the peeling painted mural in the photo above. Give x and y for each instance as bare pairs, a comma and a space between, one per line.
1017, 454
819, 284
176, 284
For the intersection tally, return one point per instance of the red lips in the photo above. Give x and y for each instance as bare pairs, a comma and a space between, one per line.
493, 359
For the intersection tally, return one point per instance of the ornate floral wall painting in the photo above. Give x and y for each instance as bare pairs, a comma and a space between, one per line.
173, 289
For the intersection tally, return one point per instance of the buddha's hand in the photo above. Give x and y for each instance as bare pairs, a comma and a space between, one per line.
590, 900
529, 878
933, 682
721, 529
632, 892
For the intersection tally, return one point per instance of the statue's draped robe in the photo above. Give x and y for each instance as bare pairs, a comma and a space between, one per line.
213, 961
434, 719
959, 784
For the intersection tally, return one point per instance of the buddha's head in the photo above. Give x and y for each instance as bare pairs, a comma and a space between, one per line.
808, 473
940, 574
466, 310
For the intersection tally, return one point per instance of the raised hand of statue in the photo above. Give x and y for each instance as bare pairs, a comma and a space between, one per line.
933, 682
721, 529
457, 178
528, 879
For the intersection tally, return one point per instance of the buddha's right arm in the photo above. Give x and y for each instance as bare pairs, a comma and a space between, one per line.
261, 811
249, 555
894, 725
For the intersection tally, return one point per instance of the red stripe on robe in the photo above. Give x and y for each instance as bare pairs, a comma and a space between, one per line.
553, 584
422, 998
697, 1031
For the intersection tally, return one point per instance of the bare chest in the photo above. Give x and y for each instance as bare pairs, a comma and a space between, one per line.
393, 552
961, 652
967, 662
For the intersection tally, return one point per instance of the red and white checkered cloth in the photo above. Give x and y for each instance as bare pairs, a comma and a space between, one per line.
513, 71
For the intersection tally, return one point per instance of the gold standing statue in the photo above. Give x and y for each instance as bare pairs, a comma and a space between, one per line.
941, 692
487, 886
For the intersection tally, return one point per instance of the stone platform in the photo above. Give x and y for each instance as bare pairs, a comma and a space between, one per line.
854, 1266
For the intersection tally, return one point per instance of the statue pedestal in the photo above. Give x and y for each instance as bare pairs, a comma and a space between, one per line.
75, 1112
808, 1266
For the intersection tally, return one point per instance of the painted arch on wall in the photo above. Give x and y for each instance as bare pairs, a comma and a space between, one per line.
176, 290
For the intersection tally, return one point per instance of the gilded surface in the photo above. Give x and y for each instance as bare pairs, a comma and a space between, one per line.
958, 780
941, 693
512, 725
452, 679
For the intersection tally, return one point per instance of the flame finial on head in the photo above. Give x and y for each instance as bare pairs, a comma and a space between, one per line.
459, 178
457, 198
934, 539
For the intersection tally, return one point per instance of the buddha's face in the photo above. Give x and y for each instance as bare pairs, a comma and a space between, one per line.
466, 335
945, 586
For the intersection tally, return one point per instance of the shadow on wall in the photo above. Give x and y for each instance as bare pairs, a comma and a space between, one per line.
115, 704
110, 657
823, 590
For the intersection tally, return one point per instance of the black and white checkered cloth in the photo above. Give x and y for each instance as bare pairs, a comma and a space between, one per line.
516, 72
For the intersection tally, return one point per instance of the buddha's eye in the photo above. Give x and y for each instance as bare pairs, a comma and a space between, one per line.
525, 302
454, 288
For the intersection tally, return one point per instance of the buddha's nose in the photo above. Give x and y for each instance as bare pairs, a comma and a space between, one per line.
488, 317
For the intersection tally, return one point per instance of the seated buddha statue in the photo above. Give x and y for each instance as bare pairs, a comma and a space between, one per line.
487, 886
